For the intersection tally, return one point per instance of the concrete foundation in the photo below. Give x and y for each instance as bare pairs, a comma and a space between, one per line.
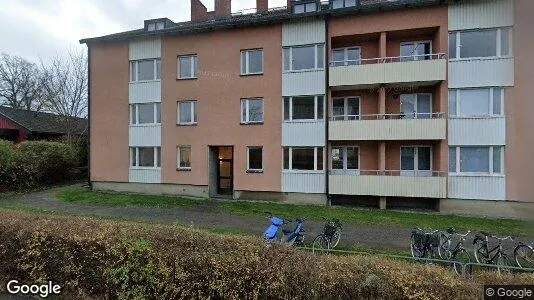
488, 208
382, 202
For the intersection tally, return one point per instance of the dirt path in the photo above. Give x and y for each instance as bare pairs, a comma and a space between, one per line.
368, 236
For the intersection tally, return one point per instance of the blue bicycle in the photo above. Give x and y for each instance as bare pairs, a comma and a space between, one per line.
293, 237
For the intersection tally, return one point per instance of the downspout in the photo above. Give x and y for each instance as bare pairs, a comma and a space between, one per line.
327, 108
89, 116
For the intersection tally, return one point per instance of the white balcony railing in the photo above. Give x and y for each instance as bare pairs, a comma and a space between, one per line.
384, 60
413, 126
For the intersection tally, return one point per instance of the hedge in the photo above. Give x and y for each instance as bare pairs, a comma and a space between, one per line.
36, 163
105, 259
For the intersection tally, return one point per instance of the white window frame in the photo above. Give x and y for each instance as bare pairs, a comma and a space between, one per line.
345, 115
316, 58
422, 42
248, 160
456, 56
417, 113
457, 96
491, 172
344, 4
194, 64
134, 77
344, 153
135, 110
134, 153
245, 105
416, 171
315, 151
247, 61
305, 5
346, 60
192, 112
179, 150
315, 103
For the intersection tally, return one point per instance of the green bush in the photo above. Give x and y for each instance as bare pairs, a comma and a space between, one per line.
36, 163
103, 259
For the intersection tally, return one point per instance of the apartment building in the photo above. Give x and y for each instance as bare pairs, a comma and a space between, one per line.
389, 103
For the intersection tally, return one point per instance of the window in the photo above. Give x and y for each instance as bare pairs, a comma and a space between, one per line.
304, 7
478, 159
145, 113
184, 157
145, 70
346, 56
416, 161
156, 26
345, 158
304, 58
251, 62
346, 108
411, 51
187, 67
254, 159
187, 112
416, 106
482, 102
145, 157
303, 158
480, 43
251, 111
303, 108
343, 3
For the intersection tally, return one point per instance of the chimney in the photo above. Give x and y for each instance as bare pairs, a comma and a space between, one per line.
262, 5
199, 12
223, 8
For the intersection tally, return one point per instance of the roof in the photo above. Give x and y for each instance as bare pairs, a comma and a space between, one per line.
272, 16
43, 122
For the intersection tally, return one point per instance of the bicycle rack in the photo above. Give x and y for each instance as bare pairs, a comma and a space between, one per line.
465, 266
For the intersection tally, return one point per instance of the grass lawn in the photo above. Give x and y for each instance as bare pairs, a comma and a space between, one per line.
345, 214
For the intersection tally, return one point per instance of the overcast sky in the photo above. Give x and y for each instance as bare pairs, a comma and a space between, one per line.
37, 29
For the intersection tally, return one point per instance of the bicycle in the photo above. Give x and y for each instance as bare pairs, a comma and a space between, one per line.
423, 244
457, 254
494, 256
294, 237
524, 255
330, 236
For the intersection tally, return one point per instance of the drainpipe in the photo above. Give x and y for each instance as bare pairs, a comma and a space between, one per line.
89, 116
327, 108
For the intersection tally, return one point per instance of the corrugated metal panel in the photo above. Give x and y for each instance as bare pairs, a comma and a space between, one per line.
481, 72
303, 182
394, 186
145, 175
303, 133
477, 187
481, 14
302, 33
146, 48
409, 129
395, 72
490, 131
303, 83
145, 135
142, 92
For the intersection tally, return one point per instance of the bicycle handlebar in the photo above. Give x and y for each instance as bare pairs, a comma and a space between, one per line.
463, 235
427, 232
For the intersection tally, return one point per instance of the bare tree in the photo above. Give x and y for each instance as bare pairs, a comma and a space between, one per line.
20, 83
65, 88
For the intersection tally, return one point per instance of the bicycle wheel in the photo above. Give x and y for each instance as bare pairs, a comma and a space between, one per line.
335, 238
524, 256
502, 263
480, 251
320, 243
461, 258
416, 246
444, 246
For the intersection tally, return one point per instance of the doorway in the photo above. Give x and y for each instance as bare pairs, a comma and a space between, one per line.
416, 161
221, 171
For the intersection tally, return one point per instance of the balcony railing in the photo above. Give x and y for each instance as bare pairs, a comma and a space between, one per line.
414, 126
385, 60
407, 173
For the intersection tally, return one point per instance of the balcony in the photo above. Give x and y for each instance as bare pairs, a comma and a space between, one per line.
421, 70
425, 184
389, 127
